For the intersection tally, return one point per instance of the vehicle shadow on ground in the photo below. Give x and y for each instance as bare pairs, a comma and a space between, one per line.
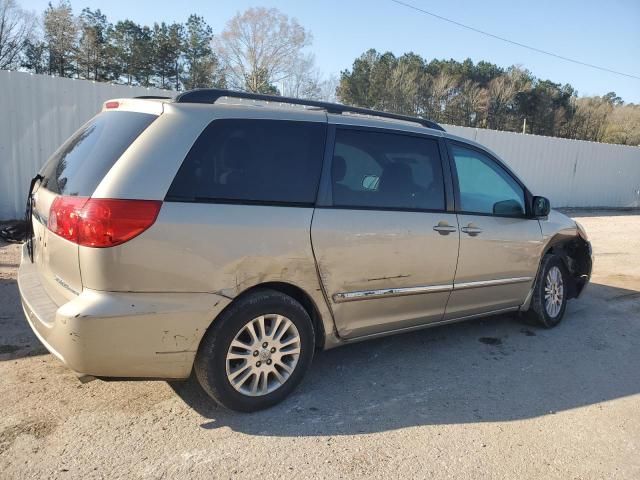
16, 338
497, 369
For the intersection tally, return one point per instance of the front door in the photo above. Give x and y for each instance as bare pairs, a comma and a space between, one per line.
386, 247
499, 245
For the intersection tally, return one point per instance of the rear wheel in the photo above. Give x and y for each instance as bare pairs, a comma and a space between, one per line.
549, 292
256, 352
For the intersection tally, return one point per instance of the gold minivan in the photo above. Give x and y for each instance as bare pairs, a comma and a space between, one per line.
233, 234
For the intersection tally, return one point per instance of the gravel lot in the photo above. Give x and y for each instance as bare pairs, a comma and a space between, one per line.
488, 399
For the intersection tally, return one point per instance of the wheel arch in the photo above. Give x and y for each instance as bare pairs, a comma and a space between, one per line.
575, 253
297, 294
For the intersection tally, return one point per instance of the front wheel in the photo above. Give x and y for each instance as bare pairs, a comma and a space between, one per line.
549, 292
256, 352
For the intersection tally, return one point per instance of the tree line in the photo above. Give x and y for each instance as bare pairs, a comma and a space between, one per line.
260, 50
487, 96
171, 56
263, 50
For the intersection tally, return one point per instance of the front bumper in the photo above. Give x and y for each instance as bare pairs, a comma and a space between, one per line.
119, 334
587, 268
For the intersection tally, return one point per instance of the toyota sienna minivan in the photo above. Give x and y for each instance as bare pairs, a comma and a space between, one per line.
233, 234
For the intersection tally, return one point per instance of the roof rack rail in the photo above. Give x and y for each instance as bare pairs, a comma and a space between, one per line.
151, 97
210, 95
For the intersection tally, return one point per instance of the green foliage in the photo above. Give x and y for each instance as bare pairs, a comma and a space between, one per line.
60, 33
91, 54
171, 56
485, 95
168, 42
35, 56
201, 64
261, 50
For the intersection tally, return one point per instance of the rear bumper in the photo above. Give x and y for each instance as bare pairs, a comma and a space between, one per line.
113, 334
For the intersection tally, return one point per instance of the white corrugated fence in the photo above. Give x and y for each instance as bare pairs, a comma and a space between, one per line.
572, 173
39, 112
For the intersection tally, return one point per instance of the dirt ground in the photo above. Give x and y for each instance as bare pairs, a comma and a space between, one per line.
487, 399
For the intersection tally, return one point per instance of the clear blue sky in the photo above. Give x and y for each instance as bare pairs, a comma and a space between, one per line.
605, 33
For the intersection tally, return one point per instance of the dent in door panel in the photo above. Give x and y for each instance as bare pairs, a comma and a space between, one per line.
375, 250
214, 248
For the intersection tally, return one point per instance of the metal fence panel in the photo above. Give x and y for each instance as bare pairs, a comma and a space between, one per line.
39, 112
572, 173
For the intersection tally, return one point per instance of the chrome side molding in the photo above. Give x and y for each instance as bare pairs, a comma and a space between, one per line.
398, 292
491, 283
389, 292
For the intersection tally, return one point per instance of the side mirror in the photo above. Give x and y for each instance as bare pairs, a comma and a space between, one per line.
507, 207
540, 207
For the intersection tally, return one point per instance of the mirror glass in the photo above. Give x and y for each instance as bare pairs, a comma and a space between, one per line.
541, 206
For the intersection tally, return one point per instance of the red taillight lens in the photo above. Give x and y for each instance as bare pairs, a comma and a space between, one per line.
64, 216
101, 222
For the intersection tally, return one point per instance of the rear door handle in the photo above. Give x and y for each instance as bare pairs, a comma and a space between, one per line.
443, 228
472, 230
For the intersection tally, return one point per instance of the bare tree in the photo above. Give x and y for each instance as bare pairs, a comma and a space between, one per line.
329, 88
501, 94
624, 125
403, 86
472, 101
304, 79
261, 47
16, 27
442, 90
591, 118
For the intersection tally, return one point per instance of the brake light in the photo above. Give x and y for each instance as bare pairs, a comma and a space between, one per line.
101, 222
112, 104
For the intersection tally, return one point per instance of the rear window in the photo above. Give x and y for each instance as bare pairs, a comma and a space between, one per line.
373, 169
254, 161
81, 162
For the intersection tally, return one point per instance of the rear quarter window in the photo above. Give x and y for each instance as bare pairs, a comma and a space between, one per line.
253, 161
79, 165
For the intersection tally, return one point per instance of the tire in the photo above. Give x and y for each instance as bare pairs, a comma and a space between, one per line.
548, 312
254, 320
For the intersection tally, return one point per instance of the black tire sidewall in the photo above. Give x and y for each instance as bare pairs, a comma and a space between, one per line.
211, 358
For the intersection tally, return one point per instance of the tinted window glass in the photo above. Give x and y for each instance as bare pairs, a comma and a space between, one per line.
269, 161
81, 162
386, 170
485, 187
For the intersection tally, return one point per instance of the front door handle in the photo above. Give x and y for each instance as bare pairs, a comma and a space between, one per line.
443, 228
471, 230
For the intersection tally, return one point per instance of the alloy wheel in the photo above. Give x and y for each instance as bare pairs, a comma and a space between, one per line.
263, 355
553, 292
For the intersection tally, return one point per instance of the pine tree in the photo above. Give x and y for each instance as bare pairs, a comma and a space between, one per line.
92, 52
60, 33
201, 64
124, 37
168, 41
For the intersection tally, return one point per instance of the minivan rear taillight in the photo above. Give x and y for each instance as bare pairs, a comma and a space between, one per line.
101, 222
